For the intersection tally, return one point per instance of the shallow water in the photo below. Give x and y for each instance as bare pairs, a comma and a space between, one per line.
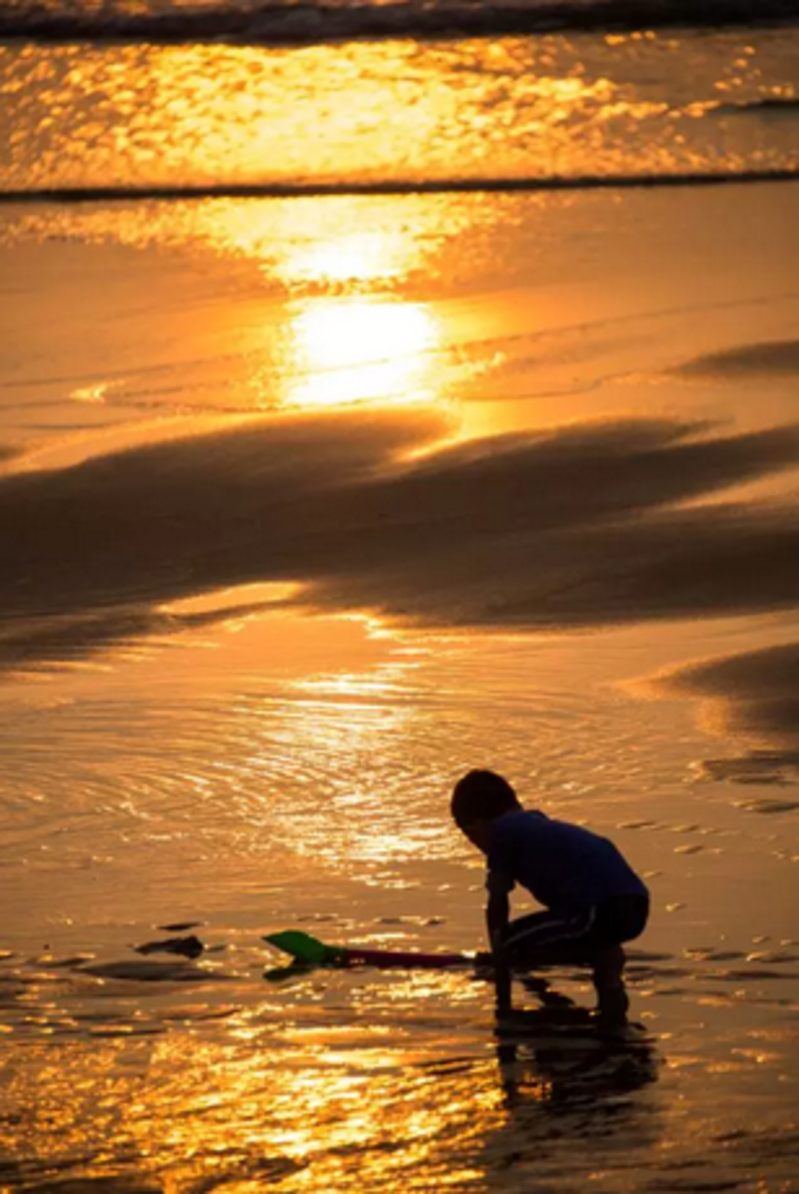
319, 803
310, 504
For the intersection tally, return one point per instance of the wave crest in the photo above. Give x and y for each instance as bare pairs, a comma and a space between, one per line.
303, 23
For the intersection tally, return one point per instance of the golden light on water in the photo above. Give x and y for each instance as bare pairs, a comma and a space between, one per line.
359, 350
360, 110
310, 246
297, 774
352, 258
257, 1111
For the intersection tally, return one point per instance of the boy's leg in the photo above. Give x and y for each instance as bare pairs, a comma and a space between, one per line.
543, 938
608, 975
620, 919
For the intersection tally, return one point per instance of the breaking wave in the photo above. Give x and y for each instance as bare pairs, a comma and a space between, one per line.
305, 23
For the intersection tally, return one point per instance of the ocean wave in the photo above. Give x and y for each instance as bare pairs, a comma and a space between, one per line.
305, 23
426, 186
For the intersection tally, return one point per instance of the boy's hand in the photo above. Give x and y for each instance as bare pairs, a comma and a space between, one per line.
497, 912
502, 985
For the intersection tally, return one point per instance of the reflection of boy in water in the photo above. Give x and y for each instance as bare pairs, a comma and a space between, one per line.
555, 1059
594, 899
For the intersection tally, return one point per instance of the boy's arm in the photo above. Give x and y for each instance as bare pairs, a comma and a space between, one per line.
497, 914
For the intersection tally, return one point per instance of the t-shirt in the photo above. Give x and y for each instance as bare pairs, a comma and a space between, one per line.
564, 867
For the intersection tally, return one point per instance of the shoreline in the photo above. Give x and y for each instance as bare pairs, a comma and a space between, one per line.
391, 187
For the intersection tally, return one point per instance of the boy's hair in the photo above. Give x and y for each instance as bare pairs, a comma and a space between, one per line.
481, 796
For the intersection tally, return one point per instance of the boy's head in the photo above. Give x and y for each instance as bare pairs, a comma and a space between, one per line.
478, 798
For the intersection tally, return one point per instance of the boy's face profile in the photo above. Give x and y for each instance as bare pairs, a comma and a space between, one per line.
477, 833
479, 798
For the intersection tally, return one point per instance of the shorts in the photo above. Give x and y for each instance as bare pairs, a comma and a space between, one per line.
542, 937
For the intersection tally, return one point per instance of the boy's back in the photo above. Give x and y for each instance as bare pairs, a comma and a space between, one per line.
565, 867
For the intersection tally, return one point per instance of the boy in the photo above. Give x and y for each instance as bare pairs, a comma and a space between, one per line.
594, 899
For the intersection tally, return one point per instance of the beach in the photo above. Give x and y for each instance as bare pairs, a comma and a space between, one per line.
311, 502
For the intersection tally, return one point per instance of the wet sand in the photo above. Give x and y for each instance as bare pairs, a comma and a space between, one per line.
251, 635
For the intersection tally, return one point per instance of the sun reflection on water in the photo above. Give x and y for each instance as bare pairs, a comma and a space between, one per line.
356, 351
353, 258
302, 304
